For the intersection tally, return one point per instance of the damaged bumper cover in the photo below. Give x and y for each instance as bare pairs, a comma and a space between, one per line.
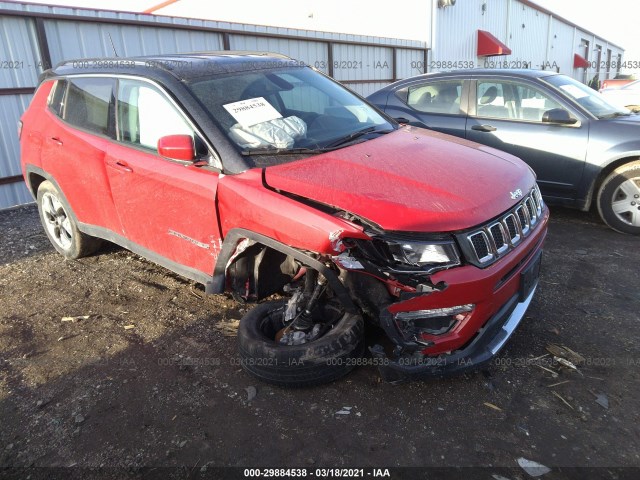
487, 343
493, 301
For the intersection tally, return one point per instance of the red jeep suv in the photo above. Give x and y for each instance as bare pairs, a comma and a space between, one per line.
255, 174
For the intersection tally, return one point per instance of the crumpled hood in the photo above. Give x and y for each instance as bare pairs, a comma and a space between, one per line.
412, 180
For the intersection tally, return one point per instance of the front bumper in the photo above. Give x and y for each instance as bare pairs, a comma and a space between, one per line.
501, 295
479, 352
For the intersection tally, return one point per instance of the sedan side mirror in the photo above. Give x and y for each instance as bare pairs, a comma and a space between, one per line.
558, 115
177, 147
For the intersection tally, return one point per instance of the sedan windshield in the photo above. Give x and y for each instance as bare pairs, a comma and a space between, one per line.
588, 98
286, 111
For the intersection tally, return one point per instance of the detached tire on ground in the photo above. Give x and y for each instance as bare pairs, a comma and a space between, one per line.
60, 226
320, 361
619, 199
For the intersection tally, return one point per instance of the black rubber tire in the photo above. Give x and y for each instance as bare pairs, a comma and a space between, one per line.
608, 189
320, 361
81, 244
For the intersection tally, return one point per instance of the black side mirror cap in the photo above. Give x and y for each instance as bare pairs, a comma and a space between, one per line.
558, 115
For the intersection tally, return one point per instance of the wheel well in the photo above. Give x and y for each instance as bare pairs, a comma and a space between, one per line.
259, 271
604, 173
34, 183
230, 247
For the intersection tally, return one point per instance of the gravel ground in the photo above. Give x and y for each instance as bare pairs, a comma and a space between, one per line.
114, 362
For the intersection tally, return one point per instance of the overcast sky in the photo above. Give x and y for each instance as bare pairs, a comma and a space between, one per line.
616, 21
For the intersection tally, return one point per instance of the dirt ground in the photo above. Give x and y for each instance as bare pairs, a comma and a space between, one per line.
148, 375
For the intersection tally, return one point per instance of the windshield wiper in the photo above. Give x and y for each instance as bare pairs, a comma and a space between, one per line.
355, 135
279, 151
614, 115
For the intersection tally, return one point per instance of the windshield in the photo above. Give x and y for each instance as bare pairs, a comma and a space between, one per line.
287, 110
631, 86
588, 98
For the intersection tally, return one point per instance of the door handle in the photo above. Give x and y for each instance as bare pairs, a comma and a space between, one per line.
484, 128
120, 165
56, 140
402, 120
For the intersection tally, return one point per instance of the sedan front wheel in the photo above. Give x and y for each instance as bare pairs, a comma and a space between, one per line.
619, 199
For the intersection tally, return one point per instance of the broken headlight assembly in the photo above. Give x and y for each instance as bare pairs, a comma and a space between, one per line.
404, 255
426, 256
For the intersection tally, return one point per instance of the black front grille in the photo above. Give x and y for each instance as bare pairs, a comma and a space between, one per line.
489, 242
524, 222
480, 244
512, 226
498, 237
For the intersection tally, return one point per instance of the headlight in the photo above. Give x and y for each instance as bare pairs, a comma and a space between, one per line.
427, 256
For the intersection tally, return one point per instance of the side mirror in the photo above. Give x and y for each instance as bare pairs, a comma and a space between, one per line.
177, 147
558, 115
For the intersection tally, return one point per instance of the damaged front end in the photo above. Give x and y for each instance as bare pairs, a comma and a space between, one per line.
447, 305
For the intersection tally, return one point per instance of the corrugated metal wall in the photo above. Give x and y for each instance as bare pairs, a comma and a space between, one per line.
535, 38
21, 67
363, 63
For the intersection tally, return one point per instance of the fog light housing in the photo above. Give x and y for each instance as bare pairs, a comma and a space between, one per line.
437, 321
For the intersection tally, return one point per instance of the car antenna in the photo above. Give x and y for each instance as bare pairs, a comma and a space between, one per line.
112, 45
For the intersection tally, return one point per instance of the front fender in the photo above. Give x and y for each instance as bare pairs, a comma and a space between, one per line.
230, 244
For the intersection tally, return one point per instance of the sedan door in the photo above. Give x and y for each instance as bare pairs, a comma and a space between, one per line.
508, 115
167, 207
438, 104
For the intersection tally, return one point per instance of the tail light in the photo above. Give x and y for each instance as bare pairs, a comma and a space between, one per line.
19, 129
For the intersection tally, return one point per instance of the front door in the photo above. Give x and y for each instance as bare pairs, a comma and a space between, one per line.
508, 116
167, 207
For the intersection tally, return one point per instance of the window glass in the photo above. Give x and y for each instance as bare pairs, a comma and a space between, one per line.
87, 104
436, 97
512, 101
588, 98
284, 108
145, 115
632, 86
56, 98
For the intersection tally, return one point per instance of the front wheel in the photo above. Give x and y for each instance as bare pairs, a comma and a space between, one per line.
619, 199
60, 226
319, 361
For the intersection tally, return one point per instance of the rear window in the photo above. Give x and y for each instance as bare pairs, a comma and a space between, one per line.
87, 104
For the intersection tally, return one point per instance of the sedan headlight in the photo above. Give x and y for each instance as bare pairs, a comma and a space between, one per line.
426, 256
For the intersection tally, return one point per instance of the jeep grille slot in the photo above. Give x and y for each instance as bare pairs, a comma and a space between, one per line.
489, 242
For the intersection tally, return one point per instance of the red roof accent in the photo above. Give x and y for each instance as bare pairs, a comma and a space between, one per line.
490, 46
580, 62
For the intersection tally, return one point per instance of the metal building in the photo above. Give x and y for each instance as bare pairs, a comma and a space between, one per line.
517, 34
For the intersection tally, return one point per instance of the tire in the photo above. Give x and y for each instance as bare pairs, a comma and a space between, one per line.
619, 199
60, 226
320, 361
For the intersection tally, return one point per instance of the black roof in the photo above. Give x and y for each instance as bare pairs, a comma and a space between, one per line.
184, 66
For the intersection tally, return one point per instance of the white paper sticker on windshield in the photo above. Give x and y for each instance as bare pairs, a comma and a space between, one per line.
252, 111
574, 91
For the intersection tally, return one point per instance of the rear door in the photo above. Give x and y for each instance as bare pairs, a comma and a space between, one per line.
167, 207
436, 104
76, 139
507, 114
